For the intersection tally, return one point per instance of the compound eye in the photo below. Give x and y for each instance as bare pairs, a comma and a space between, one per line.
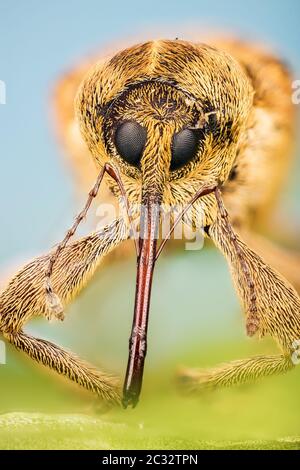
130, 140
184, 147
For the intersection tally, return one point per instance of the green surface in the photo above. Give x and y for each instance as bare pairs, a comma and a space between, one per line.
195, 322
264, 415
40, 431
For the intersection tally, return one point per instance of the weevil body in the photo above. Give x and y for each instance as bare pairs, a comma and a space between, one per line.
174, 123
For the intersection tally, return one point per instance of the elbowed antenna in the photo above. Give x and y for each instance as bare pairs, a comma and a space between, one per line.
53, 302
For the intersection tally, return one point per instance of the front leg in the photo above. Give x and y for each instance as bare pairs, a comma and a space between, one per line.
67, 364
235, 372
277, 311
277, 302
24, 297
244, 268
286, 261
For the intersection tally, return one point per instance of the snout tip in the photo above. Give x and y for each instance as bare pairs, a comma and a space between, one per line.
130, 398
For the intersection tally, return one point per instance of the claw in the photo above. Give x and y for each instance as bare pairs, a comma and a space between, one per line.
53, 305
252, 325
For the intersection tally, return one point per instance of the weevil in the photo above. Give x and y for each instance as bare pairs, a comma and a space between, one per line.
207, 127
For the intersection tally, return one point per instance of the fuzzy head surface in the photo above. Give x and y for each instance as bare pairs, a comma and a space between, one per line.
169, 114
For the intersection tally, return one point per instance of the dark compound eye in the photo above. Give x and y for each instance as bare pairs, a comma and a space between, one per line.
130, 140
184, 148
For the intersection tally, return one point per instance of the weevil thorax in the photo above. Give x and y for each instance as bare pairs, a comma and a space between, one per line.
166, 107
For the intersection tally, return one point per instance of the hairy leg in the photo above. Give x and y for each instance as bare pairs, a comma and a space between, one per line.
286, 261
24, 297
235, 372
277, 302
277, 311
67, 364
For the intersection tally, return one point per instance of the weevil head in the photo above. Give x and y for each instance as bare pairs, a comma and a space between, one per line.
169, 114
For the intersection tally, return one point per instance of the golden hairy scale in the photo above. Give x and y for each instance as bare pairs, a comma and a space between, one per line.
162, 120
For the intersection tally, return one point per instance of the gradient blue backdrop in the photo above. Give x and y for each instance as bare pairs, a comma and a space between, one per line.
38, 40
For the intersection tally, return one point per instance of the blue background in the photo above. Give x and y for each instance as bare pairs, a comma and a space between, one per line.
40, 40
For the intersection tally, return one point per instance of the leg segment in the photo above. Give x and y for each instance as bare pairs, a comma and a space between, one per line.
277, 311
71, 267
277, 302
67, 364
235, 372
252, 324
287, 262
24, 296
